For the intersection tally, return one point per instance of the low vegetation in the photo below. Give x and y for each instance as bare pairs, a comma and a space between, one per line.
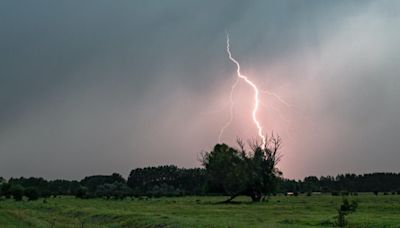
318, 210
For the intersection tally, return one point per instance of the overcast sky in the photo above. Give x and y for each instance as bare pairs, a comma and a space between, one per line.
95, 87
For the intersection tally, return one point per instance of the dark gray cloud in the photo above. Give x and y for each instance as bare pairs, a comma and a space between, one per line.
97, 87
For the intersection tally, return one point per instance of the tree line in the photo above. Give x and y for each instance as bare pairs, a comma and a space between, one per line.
173, 181
229, 171
348, 183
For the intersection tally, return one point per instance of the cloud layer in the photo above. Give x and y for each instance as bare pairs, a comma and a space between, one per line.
97, 88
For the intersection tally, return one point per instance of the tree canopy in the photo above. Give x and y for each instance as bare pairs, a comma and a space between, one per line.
240, 172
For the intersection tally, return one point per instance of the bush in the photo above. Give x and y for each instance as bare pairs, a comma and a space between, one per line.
17, 192
345, 209
348, 207
344, 193
164, 190
335, 193
31, 193
117, 190
5, 190
82, 193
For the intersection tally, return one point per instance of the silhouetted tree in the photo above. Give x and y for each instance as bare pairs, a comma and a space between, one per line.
116, 190
17, 192
92, 182
5, 190
345, 209
31, 193
40, 184
238, 172
82, 193
233, 170
311, 184
166, 180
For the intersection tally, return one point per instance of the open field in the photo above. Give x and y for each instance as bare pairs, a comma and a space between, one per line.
280, 211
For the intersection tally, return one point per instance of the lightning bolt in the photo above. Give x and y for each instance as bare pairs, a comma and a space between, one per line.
256, 96
231, 111
276, 96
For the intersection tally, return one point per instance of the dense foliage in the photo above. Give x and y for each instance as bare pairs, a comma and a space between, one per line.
167, 180
239, 172
93, 182
47, 188
174, 181
373, 182
227, 171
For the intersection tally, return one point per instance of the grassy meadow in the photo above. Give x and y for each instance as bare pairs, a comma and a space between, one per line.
279, 211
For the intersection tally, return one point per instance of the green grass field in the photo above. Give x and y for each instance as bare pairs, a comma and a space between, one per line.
280, 211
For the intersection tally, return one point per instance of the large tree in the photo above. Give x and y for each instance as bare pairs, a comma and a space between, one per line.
240, 172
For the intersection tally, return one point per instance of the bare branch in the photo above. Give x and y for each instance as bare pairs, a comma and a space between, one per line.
241, 144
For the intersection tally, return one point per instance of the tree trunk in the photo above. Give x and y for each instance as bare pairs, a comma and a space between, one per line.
231, 198
256, 196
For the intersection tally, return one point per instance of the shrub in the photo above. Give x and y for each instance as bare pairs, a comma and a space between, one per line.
31, 193
345, 209
164, 190
17, 192
82, 193
117, 190
5, 190
334, 193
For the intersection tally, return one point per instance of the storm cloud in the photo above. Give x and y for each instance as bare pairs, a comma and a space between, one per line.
102, 86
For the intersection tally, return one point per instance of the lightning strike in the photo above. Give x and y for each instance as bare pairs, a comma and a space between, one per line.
277, 97
256, 96
231, 111
277, 110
